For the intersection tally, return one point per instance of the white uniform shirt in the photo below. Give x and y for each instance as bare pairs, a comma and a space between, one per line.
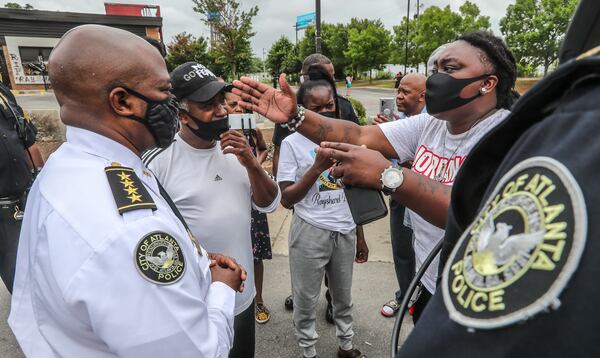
212, 191
78, 292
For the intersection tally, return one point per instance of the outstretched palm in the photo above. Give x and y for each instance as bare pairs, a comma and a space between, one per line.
277, 105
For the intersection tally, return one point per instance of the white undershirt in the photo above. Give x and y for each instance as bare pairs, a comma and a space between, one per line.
212, 192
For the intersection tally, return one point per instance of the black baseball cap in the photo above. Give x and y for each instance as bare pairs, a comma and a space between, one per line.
195, 82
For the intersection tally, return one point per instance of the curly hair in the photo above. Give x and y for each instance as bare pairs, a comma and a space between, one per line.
496, 54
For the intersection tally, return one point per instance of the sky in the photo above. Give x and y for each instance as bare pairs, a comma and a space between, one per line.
277, 17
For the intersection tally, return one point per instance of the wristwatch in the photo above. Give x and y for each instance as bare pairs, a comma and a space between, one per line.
391, 179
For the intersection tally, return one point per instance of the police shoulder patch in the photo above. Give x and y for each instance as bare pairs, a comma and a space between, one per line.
159, 258
521, 250
128, 190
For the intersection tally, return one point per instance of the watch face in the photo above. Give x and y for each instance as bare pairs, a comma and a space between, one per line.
392, 179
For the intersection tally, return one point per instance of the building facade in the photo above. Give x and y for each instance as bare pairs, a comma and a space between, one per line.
28, 36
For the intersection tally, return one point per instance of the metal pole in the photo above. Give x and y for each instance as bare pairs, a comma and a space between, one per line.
416, 16
318, 32
407, 29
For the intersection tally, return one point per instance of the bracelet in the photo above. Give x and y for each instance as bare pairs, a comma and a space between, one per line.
296, 122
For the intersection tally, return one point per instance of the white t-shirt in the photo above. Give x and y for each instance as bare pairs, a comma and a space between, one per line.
426, 140
324, 206
212, 192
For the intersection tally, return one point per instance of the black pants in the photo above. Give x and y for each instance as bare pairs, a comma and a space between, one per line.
402, 249
244, 334
9, 242
420, 304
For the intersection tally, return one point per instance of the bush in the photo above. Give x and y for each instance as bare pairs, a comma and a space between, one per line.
383, 75
360, 110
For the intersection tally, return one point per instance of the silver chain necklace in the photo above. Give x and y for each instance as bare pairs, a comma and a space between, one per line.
441, 174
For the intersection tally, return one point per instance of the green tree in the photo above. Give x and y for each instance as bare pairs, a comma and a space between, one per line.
368, 46
335, 42
256, 65
471, 18
534, 30
233, 27
399, 44
184, 47
292, 64
15, 5
437, 26
278, 54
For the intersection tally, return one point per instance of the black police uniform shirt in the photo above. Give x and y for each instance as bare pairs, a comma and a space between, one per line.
13, 158
520, 268
346, 112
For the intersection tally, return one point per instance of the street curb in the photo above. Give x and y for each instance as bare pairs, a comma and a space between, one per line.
31, 92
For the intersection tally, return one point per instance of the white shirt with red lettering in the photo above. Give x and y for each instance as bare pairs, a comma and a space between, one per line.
437, 154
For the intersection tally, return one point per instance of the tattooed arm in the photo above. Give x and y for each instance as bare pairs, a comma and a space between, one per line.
319, 129
424, 196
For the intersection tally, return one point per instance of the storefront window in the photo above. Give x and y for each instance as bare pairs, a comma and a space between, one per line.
30, 59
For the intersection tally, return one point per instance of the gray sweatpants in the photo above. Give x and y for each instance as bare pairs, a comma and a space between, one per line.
313, 252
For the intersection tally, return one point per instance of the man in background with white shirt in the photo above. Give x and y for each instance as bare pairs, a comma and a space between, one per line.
213, 189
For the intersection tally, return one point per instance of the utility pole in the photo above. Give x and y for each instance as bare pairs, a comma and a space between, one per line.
407, 29
263, 60
318, 32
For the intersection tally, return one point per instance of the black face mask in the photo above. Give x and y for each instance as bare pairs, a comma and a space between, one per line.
161, 118
443, 92
211, 130
328, 114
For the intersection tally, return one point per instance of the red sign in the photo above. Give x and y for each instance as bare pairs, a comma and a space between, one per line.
132, 9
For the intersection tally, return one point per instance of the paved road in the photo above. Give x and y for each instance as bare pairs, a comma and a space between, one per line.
37, 102
368, 96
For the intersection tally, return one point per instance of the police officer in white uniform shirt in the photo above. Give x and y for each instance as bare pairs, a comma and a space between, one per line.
105, 266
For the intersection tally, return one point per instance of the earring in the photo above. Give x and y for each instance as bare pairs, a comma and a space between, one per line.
483, 91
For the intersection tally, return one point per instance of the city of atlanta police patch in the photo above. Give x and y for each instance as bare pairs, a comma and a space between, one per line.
519, 253
159, 259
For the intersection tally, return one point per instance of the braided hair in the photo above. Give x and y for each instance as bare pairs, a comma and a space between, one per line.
318, 77
497, 54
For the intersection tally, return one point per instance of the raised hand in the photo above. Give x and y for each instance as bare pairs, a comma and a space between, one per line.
277, 105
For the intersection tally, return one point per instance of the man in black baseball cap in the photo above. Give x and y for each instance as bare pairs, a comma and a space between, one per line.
214, 190
195, 82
